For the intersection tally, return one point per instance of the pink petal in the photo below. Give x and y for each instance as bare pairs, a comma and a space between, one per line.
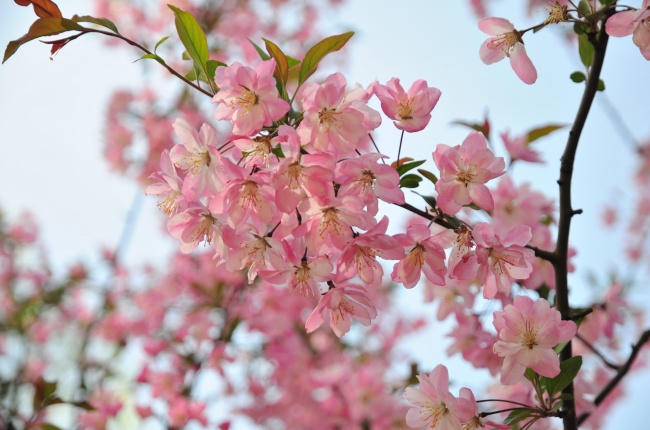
495, 26
522, 65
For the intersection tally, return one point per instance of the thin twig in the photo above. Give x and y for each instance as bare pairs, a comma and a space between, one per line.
143, 49
645, 337
593, 349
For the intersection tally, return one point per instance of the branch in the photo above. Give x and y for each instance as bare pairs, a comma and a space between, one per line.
145, 50
645, 337
544, 255
427, 215
567, 212
593, 349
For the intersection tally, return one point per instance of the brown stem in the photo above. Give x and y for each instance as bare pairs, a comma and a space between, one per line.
593, 349
645, 337
145, 50
567, 212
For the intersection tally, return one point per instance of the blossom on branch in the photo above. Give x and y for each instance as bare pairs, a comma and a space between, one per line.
528, 332
506, 42
248, 97
635, 22
464, 170
410, 111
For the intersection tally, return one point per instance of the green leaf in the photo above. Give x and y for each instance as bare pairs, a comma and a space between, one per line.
586, 50
601, 85
568, 371
317, 52
405, 167
212, 66
538, 132
584, 8
103, 22
517, 415
431, 201
281, 62
278, 152
42, 27
83, 405
530, 375
152, 57
45, 426
263, 55
578, 77
292, 62
410, 181
430, 176
160, 42
192, 37
579, 28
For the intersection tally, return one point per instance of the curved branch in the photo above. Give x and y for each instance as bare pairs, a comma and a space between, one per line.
645, 337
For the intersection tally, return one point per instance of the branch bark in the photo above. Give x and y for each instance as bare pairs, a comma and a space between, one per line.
567, 212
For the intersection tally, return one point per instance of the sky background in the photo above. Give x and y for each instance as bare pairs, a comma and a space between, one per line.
52, 125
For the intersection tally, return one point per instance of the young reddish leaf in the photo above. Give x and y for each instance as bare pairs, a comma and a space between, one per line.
536, 133
58, 44
317, 52
483, 128
99, 21
41, 27
399, 162
42, 8
281, 63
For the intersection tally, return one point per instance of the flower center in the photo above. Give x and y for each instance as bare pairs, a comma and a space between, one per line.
193, 162
527, 333
328, 117
246, 100
249, 195
366, 180
506, 41
465, 176
302, 276
204, 230
404, 108
169, 205
331, 221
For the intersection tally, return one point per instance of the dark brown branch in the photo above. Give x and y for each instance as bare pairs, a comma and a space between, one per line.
645, 337
540, 253
440, 221
593, 349
567, 212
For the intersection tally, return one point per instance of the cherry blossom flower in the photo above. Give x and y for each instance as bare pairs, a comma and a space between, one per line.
335, 120
635, 22
519, 149
410, 111
502, 259
426, 253
248, 97
343, 303
199, 157
528, 332
368, 179
434, 406
506, 42
168, 185
464, 170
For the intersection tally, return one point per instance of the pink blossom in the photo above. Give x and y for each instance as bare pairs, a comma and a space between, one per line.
519, 148
506, 42
359, 257
168, 185
248, 97
464, 170
195, 225
635, 22
434, 407
343, 303
368, 179
250, 248
426, 253
502, 259
528, 332
335, 120
199, 157
410, 111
